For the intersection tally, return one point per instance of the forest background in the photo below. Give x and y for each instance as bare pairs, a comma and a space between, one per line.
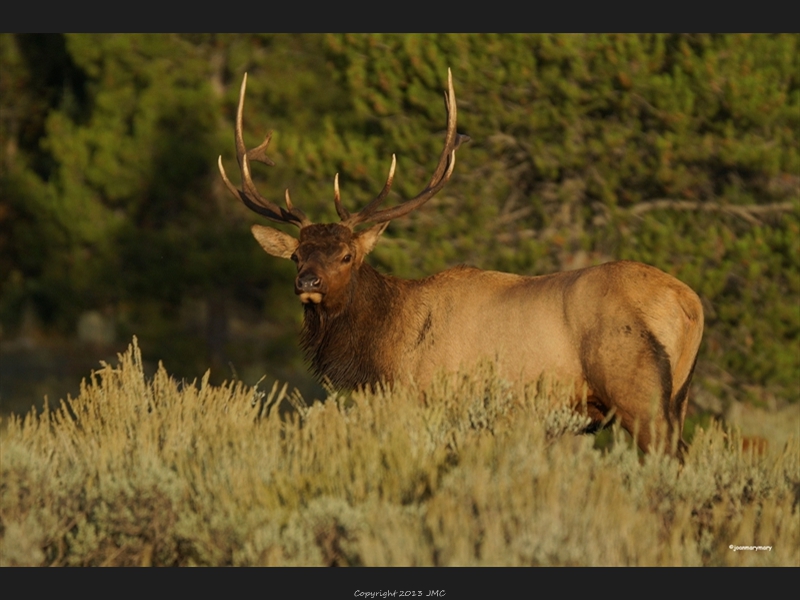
676, 150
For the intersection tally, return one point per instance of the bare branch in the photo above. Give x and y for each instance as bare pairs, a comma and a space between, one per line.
747, 212
515, 215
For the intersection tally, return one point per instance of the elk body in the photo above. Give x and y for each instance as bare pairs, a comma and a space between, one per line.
624, 333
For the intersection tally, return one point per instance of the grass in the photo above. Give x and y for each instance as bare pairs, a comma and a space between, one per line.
138, 471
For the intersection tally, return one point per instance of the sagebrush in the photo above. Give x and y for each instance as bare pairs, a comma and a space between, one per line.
138, 471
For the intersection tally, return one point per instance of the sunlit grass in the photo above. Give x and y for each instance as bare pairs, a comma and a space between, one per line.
139, 471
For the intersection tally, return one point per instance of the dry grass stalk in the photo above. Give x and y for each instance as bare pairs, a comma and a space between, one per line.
139, 471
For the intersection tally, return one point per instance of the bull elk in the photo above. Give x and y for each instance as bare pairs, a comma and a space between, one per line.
627, 334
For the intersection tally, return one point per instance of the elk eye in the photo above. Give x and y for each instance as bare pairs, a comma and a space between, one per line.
347, 258
294, 258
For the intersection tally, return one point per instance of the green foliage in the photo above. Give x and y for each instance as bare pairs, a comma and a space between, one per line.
571, 133
111, 197
139, 471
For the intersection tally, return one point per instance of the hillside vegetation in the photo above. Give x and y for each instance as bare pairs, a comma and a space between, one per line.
139, 471
677, 150
680, 151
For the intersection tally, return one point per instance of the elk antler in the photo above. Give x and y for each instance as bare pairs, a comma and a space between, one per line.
447, 161
249, 195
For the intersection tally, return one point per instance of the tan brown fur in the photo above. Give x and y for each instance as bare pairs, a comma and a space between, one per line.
626, 331
624, 334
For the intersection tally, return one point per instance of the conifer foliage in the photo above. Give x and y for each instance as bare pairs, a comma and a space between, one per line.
676, 150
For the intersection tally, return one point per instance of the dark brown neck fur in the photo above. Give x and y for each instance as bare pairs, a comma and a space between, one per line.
349, 347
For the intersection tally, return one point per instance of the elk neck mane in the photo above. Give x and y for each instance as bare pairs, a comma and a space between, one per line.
350, 346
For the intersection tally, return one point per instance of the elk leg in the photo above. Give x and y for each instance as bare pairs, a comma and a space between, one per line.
597, 411
678, 407
638, 385
644, 413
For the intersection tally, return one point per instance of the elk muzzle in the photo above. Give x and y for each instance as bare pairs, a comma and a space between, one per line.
309, 287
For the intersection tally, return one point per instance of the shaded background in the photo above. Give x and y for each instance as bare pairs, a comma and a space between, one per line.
677, 150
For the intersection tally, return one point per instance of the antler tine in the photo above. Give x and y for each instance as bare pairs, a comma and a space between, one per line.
343, 213
447, 161
364, 214
249, 194
288, 200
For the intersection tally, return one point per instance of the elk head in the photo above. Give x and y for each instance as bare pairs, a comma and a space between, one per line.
328, 256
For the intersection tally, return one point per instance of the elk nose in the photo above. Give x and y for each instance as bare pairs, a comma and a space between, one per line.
308, 282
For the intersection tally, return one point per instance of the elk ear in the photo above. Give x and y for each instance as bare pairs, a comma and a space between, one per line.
369, 237
275, 242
